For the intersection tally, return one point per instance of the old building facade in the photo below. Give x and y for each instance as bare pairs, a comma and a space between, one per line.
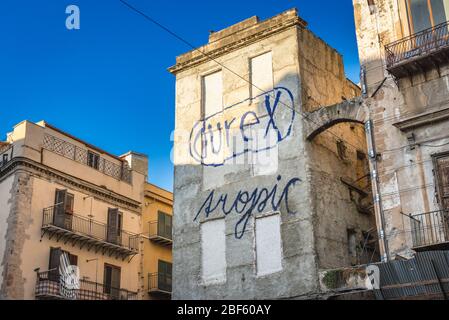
403, 48
157, 242
264, 199
60, 196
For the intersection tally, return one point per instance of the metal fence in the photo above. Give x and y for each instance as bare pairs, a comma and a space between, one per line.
90, 228
421, 43
160, 282
426, 276
430, 228
48, 285
73, 152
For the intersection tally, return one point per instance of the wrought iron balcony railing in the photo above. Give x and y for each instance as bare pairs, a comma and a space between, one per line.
422, 44
159, 233
89, 233
73, 152
160, 282
430, 229
48, 286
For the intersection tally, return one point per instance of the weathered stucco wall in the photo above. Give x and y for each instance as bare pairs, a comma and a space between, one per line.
5, 208
30, 180
405, 166
242, 189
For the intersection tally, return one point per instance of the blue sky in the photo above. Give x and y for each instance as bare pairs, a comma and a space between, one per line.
107, 83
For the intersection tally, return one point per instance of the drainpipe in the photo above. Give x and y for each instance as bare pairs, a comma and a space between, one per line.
376, 188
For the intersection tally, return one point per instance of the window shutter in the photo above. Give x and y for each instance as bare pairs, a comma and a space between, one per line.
112, 233
53, 264
59, 208
160, 223
443, 179
168, 226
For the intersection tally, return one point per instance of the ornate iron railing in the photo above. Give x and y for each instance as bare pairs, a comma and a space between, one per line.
418, 44
48, 285
159, 281
90, 228
430, 228
73, 152
156, 230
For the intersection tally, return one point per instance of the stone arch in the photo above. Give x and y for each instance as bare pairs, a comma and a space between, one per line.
324, 118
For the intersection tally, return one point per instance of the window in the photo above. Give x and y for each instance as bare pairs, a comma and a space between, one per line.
213, 251
261, 69
212, 94
93, 159
111, 280
63, 209
164, 225
114, 227
54, 262
424, 14
164, 276
268, 245
442, 176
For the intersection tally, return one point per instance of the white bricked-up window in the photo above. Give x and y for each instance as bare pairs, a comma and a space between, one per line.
261, 68
268, 245
212, 94
213, 251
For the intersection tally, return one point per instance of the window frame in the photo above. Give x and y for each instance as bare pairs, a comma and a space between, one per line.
203, 92
438, 183
250, 71
408, 7
95, 164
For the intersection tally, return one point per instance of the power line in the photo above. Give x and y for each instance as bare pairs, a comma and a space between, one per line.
305, 116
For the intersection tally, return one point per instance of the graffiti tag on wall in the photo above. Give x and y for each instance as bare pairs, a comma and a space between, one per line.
247, 203
214, 136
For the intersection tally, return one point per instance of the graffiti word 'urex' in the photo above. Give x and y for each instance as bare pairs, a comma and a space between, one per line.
213, 136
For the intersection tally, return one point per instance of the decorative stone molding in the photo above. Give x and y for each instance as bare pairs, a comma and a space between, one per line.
237, 40
422, 119
20, 163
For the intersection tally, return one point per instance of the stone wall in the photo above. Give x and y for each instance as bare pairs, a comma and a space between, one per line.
405, 151
17, 223
306, 74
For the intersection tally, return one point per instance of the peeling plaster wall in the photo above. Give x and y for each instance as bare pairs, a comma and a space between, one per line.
17, 223
5, 208
406, 174
308, 68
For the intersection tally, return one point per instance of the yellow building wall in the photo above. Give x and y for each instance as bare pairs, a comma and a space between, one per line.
155, 200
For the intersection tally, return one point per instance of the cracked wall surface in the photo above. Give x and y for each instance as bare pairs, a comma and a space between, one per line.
12, 286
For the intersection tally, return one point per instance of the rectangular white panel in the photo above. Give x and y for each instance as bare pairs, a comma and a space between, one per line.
212, 94
268, 245
261, 74
213, 249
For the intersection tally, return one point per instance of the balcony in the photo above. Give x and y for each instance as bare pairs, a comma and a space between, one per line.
430, 231
419, 52
89, 234
48, 287
159, 283
160, 233
75, 153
